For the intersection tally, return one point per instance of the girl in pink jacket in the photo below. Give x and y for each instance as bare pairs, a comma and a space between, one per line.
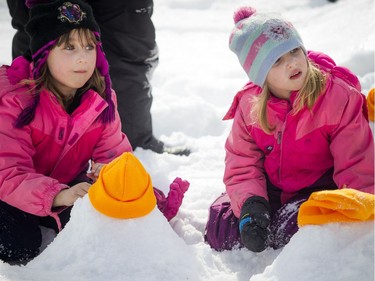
300, 125
57, 113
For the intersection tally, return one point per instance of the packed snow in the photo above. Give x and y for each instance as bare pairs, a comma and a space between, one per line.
193, 87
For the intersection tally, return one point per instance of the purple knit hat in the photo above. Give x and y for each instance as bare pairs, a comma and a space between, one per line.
259, 40
48, 21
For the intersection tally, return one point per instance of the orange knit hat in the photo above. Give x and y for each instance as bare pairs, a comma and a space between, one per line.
370, 104
123, 189
340, 205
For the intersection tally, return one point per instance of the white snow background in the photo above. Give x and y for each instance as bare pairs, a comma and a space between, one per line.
193, 87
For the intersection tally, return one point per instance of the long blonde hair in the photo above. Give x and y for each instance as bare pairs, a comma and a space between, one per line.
306, 96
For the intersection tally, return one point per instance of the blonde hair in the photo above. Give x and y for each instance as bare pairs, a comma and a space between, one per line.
96, 81
306, 96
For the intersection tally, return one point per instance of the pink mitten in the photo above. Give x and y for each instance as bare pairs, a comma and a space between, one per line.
170, 205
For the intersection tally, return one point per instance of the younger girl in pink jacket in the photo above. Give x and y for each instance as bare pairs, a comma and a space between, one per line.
300, 125
57, 114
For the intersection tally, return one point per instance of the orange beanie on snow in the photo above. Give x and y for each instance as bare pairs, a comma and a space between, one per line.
123, 189
341, 205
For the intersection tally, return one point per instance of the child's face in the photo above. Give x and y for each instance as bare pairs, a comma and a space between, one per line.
72, 64
287, 74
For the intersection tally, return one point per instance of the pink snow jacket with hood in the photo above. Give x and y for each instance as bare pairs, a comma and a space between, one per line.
40, 159
335, 133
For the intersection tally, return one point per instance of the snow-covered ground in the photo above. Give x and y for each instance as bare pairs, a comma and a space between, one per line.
193, 87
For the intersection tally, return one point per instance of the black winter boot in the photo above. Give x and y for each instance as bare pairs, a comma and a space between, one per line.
158, 146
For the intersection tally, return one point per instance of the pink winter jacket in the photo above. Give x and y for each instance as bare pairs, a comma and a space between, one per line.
40, 159
303, 147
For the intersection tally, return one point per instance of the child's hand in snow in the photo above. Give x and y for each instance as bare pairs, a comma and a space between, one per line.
95, 170
67, 197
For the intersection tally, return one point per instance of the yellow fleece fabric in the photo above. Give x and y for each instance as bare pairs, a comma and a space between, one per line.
341, 205
124, 189
370, 104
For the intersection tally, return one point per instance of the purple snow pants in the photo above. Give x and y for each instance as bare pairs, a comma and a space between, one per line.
222, 230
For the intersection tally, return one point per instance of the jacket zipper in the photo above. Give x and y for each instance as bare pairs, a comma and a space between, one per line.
61, 133
279, 138
279, 143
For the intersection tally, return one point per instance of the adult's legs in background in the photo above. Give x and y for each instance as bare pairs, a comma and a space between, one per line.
128, 36
20, 15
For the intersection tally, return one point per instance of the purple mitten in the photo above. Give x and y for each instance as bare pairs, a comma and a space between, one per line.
175, 196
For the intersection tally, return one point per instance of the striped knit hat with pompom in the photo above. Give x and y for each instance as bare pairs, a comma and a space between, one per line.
48, 21
259, 40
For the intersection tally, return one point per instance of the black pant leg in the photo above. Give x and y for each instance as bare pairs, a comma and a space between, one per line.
20, 15
50, 222
128, 36
20, 235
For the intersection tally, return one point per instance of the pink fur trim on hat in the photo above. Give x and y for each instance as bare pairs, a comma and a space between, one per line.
242, 13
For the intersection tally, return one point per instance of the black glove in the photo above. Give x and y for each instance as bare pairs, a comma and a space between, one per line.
254, 223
